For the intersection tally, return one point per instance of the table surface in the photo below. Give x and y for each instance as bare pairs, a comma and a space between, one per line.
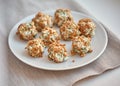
108, 12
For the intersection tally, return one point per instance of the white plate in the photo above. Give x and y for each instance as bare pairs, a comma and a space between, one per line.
99, 43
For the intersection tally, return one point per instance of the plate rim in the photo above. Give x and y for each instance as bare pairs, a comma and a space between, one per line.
61, 69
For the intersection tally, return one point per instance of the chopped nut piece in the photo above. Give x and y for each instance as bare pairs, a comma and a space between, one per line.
86, 27
42, 20
62, 15
69, 30
35, 47
57, 52
49, 35
27, 31
81, 45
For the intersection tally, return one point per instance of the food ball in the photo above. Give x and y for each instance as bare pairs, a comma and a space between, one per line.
27, 31
57, 52
69, 30
62, 15
42, 20
81, 45
35, 47
49, 35
86, 27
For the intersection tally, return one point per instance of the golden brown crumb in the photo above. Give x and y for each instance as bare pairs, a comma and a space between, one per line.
86, 27
27, 31
57, 52
35, 47
49, 35
81, 45
69, 30
42, 20
61, 16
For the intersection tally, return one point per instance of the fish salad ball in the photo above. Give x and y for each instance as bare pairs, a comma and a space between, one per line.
49, 35
27, 31
81, 45
35, 47
42, 20
57, 52
62, 15
87, 27
69, 30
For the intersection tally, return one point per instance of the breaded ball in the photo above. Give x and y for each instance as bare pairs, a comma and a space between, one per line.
27, 31
35, 47
62, 15
69, 30
49, 35
81, 45
42, 20
57, 52
86, 27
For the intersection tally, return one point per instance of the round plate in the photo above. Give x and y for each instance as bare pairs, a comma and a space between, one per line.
99, 43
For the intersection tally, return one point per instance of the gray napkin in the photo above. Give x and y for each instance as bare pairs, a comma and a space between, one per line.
15, 73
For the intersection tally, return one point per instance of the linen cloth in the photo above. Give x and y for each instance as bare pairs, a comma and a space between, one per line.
15, 73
